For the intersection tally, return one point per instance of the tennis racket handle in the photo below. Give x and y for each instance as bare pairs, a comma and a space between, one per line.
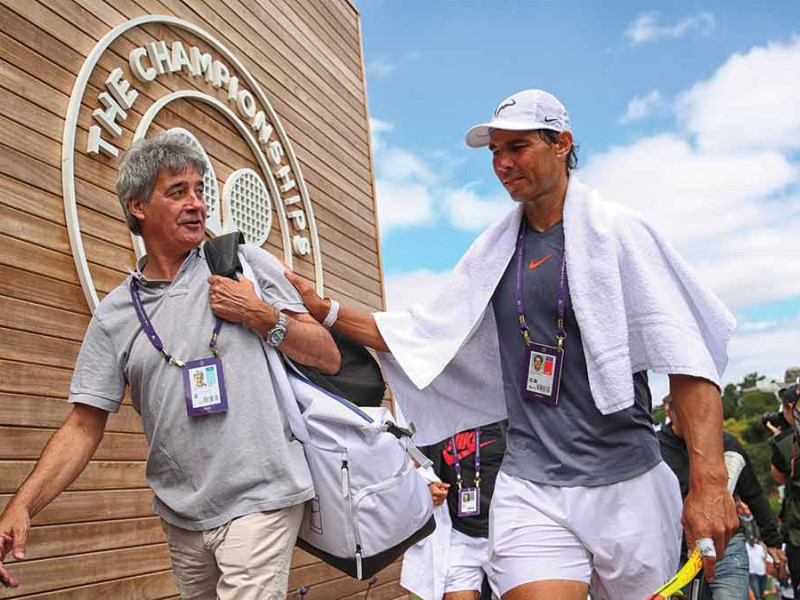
734, 463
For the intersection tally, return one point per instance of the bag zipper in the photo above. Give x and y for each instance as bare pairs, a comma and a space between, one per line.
345, 476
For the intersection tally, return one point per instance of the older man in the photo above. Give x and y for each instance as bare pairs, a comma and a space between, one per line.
592, 291
194, 350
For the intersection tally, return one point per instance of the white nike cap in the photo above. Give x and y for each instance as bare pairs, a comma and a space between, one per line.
524, 111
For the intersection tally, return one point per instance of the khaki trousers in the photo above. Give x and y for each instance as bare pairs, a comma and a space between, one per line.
245, 559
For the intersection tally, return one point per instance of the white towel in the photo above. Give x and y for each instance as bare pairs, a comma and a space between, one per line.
637, 302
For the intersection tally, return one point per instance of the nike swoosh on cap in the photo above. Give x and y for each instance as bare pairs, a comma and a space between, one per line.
536, 264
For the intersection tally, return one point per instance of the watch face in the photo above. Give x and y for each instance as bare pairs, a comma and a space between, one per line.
277, 336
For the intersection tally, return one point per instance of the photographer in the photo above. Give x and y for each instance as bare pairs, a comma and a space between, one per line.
784, 453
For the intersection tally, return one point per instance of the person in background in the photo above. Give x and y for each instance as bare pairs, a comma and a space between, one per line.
731, 580
785, 472
467, 461
757, 561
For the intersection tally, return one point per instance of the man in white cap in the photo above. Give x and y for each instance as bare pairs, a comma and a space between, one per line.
594, 297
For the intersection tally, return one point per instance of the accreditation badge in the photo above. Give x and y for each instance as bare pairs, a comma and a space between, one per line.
204, 387
542, 374
469, 502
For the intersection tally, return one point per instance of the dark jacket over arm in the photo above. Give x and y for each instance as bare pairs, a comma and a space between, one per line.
673, 450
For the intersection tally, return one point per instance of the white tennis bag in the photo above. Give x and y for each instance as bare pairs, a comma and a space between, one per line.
371, 504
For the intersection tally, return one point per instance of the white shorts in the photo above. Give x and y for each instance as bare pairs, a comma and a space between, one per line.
469, 560
623, 539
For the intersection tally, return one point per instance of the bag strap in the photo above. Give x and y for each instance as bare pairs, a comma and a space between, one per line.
279, 373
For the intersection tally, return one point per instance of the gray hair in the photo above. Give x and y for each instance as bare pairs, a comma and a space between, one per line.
146, 159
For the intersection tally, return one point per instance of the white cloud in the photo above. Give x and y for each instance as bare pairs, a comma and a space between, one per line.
377, 128
413, 190
405, 289
722, 191
403, 203
380, 67
647, 27
641, 107
752, 101
768, 350
398, 164
467, 211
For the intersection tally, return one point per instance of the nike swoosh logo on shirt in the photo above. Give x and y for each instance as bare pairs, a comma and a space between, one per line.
536, 264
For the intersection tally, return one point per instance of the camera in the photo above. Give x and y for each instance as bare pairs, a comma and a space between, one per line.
776, 419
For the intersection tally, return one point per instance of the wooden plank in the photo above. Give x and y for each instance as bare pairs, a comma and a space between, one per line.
97, 475
27, 443
21, 284
55, 573
37, 380
78, 507
152, 586
35, 318
338, 586
58, 540
39, 411
340, 20
24, 255
372, 172
282, 22
331, 42
23, 346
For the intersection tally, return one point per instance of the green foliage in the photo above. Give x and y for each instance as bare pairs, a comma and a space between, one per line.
757, 403
730, 401
659, 414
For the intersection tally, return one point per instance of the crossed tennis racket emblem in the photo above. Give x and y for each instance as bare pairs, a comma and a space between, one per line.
245, 203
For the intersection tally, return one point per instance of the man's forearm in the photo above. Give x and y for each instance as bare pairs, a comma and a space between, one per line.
62, 460
699, 409
355, 324
307, 343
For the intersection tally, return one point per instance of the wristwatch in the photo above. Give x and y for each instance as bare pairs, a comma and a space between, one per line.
277, 334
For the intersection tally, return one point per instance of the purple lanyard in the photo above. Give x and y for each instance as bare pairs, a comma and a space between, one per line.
477, 459
561, 333
153, 336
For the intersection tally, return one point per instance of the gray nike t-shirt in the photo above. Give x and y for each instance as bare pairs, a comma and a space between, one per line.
572, 443
208, 470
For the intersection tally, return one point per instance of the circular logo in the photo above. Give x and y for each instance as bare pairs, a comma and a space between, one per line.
185, 80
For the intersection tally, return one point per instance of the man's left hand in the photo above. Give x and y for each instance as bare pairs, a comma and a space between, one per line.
232, 300
779, 558
709, 512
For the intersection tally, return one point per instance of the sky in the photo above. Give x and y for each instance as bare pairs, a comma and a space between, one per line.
688, 112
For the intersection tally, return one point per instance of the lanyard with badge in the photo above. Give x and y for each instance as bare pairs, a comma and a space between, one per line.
542, 369
203, 381
469, 498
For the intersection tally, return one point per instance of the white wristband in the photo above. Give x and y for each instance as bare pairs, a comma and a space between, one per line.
333, 314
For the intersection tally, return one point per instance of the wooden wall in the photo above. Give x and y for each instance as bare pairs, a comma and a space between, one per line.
99, 538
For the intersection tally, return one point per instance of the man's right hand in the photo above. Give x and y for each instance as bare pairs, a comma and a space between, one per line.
14, 526
318, 307
439, 492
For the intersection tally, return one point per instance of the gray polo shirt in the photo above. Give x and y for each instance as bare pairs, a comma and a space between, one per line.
572, 443
204, 470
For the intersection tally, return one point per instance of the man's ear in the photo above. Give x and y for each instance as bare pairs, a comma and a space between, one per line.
564, 144
136, 208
